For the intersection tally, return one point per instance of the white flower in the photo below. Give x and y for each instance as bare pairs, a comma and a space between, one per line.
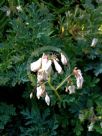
94, 42
40, 91
35, 65
47, 99
79, 78
57, 66
48, 66
79, 82
31, 95
63, 59
19, 8
48, 69
44, 61
71, 89
27, 23
90, 127
8, 12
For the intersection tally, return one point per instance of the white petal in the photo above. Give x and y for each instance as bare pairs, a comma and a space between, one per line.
19, 8
31, 95
79, 78
94, 42
44, 61
47, 99
40, 91
35, 65
48, 69
71, 89
63, 59
57, 66
79, 82
48, 65
90, 127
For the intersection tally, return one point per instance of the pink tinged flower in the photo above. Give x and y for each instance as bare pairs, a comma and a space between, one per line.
66, 90
63, 59
94, 42
79, 78
31, 95
47, 99
44, 61
71, 89
79, 82
57, 66
40, 91
35, 65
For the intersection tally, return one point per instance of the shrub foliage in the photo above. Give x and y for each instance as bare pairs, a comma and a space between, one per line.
71, 27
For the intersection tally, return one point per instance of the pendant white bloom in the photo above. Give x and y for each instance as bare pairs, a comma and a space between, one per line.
48, 69
63, 59
35, 65
79, 78
90, 127
19, 8
44, 61
57, 66
47, 99
94, 42
31, 95
40, 91
71, 89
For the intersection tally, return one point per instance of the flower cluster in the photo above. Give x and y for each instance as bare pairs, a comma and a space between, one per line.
43, 67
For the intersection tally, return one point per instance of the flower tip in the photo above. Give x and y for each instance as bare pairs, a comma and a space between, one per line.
31, 95
47, 99
64, 59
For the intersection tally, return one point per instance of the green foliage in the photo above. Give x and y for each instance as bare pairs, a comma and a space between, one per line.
40, 27
6, 113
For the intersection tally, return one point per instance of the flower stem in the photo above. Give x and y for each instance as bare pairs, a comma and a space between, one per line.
53, 88
63, 82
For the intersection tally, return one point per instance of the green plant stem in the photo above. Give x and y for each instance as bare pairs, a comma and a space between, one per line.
63, 82
55, 91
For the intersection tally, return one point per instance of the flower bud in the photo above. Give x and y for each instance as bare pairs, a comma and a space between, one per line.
79, 78
31, 95
57, 66
63, 59
8, 12
19, 8
90, 127
79, 82
47, 99
40, 91
35, 65
71, 89
94, 42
